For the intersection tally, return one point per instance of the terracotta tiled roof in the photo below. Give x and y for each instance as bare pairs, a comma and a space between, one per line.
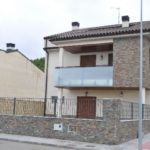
100, 31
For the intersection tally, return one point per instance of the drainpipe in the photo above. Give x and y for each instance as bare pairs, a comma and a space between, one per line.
46, 78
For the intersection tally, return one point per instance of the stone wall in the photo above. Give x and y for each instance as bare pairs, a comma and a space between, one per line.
126, 62
110, 130
73, 129
128, 130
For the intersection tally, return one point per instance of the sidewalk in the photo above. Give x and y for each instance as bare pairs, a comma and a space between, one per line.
132, 145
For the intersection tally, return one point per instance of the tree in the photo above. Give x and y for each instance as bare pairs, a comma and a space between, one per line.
39, 62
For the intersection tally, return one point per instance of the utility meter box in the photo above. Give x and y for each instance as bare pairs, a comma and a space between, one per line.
58, 127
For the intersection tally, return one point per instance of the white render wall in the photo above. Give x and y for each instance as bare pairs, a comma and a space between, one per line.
128, 95
74, 59
69, 59
19, 77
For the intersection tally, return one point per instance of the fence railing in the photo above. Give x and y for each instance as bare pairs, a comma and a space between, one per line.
130, 110
22, 106
69, 107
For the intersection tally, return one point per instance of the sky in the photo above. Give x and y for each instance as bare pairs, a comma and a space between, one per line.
26, 22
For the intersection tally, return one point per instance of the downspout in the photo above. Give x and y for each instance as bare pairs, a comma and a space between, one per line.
46, 79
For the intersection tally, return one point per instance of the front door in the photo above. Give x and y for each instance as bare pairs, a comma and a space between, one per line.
86, 107
88, 61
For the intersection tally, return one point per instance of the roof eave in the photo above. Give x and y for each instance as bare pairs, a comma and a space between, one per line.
65, 42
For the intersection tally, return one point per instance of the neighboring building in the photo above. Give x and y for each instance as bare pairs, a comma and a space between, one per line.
98, 62
19, 77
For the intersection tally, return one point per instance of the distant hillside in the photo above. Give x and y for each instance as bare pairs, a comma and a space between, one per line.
39, 62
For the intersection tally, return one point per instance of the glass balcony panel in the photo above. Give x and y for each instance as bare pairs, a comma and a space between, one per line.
100, 76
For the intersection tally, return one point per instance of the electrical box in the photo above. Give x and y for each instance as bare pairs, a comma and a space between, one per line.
58, 127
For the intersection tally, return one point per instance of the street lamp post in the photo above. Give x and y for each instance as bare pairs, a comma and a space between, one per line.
140, 132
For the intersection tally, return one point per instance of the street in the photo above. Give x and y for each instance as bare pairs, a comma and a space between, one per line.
38, 143
9, 145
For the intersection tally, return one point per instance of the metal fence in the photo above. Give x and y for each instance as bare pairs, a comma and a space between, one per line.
69, 107
22, 106
36, 106
129, 110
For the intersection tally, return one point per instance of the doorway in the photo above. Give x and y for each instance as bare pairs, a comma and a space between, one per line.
86, 107
88, 61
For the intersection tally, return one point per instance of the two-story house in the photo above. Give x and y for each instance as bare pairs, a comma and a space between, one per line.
95, 63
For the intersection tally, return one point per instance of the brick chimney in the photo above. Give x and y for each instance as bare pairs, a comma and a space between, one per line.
10, 46
125, 21
75, 25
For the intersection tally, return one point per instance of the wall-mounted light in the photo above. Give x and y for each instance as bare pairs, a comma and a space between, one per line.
101, 57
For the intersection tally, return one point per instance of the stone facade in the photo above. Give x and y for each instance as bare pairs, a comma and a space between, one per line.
126, 62
146, 61
110, 130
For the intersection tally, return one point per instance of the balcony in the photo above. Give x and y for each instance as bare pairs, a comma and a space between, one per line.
99, 76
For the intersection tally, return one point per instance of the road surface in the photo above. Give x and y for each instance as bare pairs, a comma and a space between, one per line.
9, 145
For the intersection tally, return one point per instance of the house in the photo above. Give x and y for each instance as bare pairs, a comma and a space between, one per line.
19, 77
84, 65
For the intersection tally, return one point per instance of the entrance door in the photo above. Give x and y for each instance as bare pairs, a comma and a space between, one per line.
88, 60
110, 59
86, 107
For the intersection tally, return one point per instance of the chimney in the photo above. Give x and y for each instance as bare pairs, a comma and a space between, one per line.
75, 25
10, 46
125, 21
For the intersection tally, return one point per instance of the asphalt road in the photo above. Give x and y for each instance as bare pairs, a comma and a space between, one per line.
9, 145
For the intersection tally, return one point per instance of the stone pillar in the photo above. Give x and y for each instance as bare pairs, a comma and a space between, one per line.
111, 109
111, 114
60, 90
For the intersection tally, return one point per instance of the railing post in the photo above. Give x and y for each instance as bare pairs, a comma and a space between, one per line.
14, 108
55, 106
132, 113
45, 104
54, 101
142, 111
